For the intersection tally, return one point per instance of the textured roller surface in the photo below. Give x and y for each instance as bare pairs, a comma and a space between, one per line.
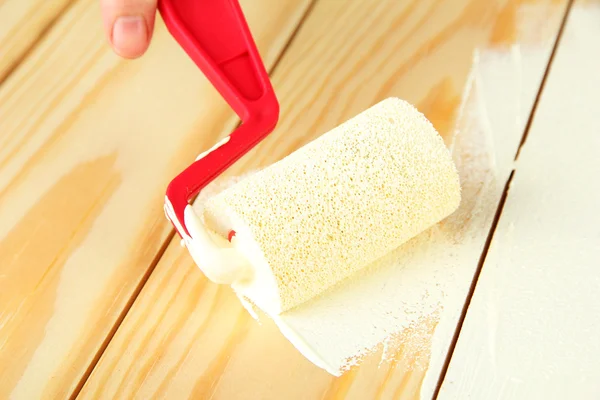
342, 201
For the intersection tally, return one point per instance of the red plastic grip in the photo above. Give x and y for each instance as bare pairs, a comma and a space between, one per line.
215, 35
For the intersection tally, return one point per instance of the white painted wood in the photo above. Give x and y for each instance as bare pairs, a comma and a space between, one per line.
532, 330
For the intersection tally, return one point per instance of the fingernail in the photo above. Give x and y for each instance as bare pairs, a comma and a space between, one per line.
130, 36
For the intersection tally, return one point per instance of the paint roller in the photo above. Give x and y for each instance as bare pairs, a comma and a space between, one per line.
294, 230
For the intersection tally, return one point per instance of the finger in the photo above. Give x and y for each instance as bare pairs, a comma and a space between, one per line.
129, 25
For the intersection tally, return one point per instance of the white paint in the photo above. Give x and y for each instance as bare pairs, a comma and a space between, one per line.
215, 256
216, 146
171, 216
533, 326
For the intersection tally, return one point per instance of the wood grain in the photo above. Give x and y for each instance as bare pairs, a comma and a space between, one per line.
22, 24
88, 143
532, 328
187, 338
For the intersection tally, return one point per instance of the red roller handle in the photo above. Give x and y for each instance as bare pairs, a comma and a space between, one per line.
215, 35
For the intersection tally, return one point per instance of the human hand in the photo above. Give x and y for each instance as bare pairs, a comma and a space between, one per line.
129, 25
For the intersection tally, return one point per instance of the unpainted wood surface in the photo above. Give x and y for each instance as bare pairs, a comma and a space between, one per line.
88, 143
187, 338
532, 328
22, 24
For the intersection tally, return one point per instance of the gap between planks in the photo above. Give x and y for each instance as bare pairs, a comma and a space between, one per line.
498, 214
34, 44
172, 234
544, 79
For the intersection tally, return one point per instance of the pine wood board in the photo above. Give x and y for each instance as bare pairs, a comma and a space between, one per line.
187, 338
22, 24
88, 143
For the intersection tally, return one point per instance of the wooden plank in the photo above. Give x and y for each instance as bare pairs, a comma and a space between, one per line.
22, 23
187, 338
532, 328
88, 143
